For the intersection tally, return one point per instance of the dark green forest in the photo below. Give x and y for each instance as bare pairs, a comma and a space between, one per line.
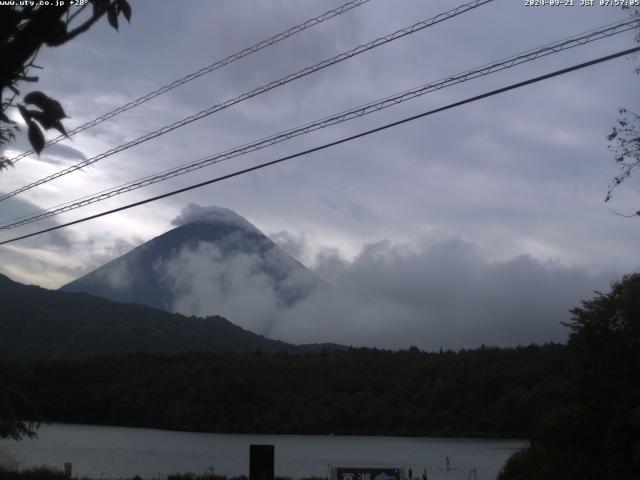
482, 392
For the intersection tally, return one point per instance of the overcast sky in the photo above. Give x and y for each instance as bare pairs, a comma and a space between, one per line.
518, 179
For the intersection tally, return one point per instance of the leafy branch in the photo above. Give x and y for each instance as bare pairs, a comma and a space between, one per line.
625, 144
23, 31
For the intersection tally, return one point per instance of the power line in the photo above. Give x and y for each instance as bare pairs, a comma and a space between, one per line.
265, 88
508, 62
203, 71
337, 142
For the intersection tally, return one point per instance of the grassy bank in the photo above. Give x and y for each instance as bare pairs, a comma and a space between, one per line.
47, 473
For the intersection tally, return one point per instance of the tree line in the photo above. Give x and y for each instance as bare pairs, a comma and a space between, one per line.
486, 392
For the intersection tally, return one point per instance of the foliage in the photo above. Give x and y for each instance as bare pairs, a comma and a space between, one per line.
39, 473
25, 27
15, 407
46, 473
625, 143
487, 392
625, 139
594, 431
24, 30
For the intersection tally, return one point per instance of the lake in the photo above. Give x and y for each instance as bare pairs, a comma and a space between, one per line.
113, 452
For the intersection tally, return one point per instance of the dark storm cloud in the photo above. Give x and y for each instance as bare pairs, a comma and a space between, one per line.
430, 293
438, 294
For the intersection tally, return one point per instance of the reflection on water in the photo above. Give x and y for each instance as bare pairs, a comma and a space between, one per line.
124, 452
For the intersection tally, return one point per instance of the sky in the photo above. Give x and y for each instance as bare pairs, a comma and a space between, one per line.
485, 223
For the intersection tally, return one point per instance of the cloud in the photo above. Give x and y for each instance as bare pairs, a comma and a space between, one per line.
120, 275
521, 173
241, 275
42, 260
295, 245
119, 247
219, 215
54, 258
432, 293
327, 262
205, 281
439, 294
56, 154
63, 154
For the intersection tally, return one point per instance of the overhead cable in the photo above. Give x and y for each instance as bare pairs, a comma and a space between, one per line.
505, 63
331, 144
203, 71
260, 90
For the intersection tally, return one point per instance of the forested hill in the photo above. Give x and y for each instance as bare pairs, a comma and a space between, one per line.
41, 324
483, 392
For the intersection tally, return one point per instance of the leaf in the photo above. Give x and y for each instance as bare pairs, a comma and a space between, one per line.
48, 122
46, 104
36, 137
112, 17
125, 8
37, 98
26, 114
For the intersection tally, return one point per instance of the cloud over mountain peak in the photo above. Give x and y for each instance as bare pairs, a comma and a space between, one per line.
218, 215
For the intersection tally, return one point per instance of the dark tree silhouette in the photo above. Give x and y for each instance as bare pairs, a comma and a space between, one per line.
594, 430
24, 30
625, 141
13, 408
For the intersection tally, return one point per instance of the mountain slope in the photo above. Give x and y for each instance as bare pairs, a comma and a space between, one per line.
218, 243
40, 324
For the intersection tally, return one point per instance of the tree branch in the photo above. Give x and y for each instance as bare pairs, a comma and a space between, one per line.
615, 212
87, 25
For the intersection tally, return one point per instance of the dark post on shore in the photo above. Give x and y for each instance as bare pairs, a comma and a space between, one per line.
261, 462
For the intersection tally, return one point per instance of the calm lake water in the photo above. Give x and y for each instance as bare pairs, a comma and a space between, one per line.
113, 452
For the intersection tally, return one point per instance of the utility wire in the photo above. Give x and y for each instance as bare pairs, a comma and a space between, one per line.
265, 88
508, 62
337, 142
203, 71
